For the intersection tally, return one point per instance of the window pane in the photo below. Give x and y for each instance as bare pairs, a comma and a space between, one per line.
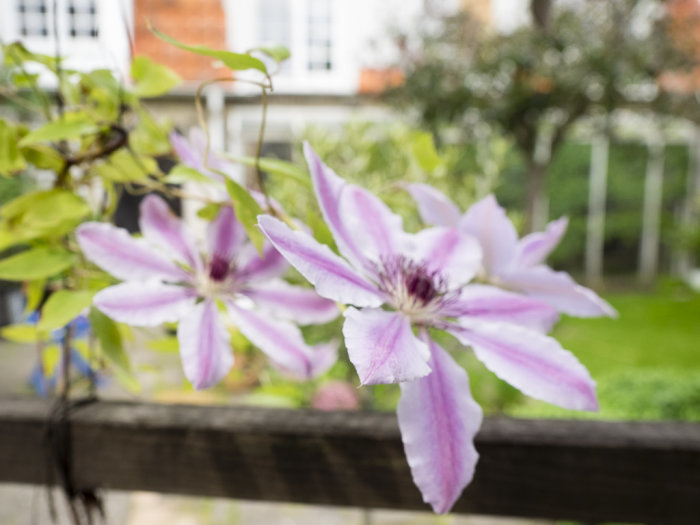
320, 37
32, 17
274, 22
82, 18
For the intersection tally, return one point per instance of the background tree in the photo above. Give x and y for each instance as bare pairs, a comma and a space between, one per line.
576, 59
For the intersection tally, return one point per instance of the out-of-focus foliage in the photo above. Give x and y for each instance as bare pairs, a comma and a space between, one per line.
383, 157
578, 59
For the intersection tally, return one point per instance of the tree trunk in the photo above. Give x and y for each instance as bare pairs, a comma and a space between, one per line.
541, 13
595, 234
536, 198
651, 217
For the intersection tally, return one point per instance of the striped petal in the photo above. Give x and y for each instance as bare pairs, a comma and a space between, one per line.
382, 347
205, 346
254, 268
145, 303
331, 275
533, 363
534, 248
438, 420
434, 206
375, 230
329, 188
301, 305
225, 235
559, 290
454, 256
488, 222
281, 341
162, 228
126, 258
489, 303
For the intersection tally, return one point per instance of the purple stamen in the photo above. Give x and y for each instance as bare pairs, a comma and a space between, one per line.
218, 268
420, 285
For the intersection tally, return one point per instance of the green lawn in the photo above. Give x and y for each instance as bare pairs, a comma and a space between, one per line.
659, 330
646, 362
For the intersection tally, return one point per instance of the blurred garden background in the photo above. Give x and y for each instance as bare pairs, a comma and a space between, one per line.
581, 108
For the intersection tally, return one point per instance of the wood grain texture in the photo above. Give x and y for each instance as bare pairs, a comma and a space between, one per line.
583, 470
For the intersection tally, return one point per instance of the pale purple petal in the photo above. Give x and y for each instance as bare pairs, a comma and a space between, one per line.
382, 347
145, 303
454, 256
281, 341
329, 188
205, 346
434, 206
253, 268
438, 420
191, 152
488, 222
301, 305
225, 235
534, 248
489, 303
374, 229
126, 258
532, 362
198, 139
162, 228
187, 154
559, 290
324, 356
331, 275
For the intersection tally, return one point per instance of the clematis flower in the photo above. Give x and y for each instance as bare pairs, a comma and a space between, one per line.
191, 151
168, 280
510, 263
396, 283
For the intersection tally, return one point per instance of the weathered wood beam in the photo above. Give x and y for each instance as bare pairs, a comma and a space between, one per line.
583, 470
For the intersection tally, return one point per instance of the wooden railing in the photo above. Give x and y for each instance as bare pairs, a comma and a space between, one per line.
580, 470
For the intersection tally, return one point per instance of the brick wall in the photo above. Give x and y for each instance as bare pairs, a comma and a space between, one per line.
200, 22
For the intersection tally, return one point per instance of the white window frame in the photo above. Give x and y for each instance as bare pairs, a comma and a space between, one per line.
109, 49
243, 32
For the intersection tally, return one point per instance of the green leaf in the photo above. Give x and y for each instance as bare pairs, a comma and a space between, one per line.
36, 263
41, 214
71, 126
107, 333
424, 151
124, 166
15, 54
62, 307
21, 333
209, 211
278, 53
234, 61
320, 229
247, 211
181, 174
150, 137
279, 167
22, 79
50, 358
152, 79
165, 345
43, 157
11, 159
34, 290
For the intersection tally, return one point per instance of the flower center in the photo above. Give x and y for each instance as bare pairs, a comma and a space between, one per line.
420, 286
218, 269
414, 290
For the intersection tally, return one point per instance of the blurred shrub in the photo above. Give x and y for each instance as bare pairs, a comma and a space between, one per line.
639, 394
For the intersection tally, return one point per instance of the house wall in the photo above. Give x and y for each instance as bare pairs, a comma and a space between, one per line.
109, 49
